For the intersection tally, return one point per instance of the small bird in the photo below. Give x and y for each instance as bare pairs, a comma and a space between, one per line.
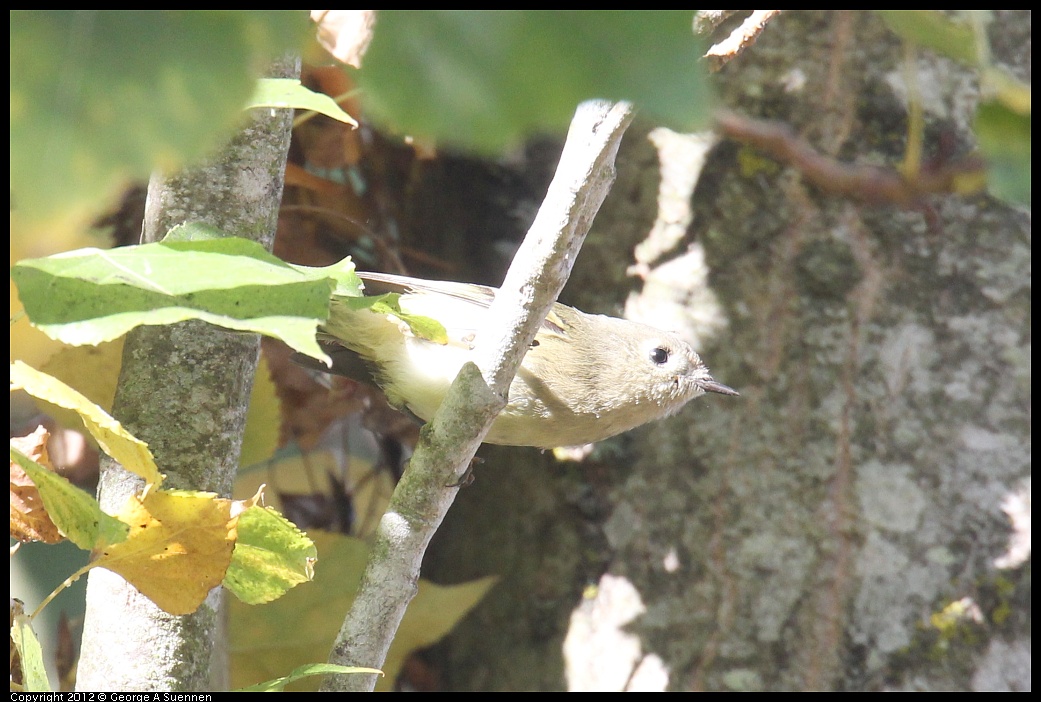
585, 377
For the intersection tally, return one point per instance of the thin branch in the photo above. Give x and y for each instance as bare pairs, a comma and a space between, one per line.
862, 182
450, 440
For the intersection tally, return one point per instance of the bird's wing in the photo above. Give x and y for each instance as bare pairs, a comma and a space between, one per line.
463, 293
380, 283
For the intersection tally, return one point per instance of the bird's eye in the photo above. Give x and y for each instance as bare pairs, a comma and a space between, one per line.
659, 355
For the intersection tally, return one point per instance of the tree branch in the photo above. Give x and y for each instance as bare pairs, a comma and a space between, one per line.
450, 440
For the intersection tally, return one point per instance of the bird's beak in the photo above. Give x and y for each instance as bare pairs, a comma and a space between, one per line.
710, 385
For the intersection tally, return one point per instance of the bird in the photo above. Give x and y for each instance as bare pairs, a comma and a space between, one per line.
584, 378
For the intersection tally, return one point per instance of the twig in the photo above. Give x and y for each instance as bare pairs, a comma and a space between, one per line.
707, 20
740, 39
869, 183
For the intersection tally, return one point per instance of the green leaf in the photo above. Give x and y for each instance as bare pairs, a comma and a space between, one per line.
30, 655
933, 30
279, 684
90, 295
289, 93
73, 511
389, 303
99, 97
1004, 138
271, 556
488, 79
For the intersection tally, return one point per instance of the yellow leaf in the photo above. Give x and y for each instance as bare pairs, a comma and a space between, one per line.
261, 436
293, 474
179, 547
131, 452
434, 612
94, 371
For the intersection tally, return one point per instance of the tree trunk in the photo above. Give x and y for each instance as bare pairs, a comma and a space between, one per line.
849, 522
184, 389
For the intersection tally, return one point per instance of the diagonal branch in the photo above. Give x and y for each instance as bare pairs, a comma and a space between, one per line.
450, 440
